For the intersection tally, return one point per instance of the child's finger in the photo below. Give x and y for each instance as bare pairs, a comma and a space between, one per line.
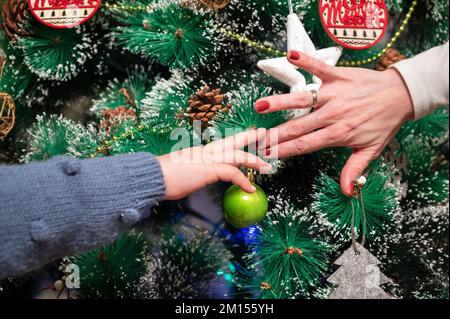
306, 144
297, 128
240, 140
228, 173
241, 158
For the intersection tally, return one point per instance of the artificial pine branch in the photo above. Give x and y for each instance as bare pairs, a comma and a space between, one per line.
433, 127
172, 34
167, 98
56, 54
184, 264
128, 93
431, 16
243, 115
427, 173
113, 271
14, 79
379, 200
155, 139
56, 135
414, 252
286, 260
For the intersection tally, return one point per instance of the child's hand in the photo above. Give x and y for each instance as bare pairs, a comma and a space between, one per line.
189, 170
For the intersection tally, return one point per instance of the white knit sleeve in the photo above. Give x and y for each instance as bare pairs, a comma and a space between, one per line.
427, 78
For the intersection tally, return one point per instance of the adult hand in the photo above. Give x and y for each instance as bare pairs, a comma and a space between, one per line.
357, 108
191, 169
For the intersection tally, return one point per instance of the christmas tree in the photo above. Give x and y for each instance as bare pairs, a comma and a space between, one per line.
130, 72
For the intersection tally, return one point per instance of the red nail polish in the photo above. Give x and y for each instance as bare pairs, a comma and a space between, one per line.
352, 188
294, 55
262, 106
268, 152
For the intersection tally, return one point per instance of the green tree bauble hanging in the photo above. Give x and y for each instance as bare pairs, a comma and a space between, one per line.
242, 209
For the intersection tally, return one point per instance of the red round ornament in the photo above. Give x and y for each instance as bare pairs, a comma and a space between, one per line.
63, 14
354, 24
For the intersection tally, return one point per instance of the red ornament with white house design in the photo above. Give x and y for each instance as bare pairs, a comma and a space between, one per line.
354, 24
63, 13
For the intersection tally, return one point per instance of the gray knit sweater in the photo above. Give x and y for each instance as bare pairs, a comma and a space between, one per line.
66, 206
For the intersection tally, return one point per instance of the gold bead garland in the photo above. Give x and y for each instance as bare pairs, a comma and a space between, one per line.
126, 7
215, 5
106, 145
250, 43
276, 52
375, 57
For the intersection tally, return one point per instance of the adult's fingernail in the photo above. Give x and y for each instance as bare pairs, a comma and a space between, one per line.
262, 106
352, 188
294, 55
268, 152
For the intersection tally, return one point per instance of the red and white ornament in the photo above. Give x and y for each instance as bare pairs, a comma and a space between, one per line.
62, 14
354, 24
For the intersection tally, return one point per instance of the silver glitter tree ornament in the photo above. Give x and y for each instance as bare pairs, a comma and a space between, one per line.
359, 276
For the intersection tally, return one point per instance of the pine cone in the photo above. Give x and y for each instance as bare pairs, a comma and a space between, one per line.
210, 4
113, 117
390, 57
14, 15
205, 104
214, 4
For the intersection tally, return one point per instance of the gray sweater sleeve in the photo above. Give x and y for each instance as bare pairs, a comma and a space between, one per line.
66, 206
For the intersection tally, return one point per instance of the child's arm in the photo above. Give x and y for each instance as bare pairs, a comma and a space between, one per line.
65, 206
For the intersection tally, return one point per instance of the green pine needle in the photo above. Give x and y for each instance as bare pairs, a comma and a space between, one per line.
173, 35
155, 139
395, 5
113, 271
57, 54
243, 115
431, 18
14, 80
379, 198
285, 255
132, 16
57, 135
167, 99
276, 7
414, 252
427, 174
137, 84
433, 126
184, 264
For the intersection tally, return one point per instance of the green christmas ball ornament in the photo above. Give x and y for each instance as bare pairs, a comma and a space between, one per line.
243, 209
